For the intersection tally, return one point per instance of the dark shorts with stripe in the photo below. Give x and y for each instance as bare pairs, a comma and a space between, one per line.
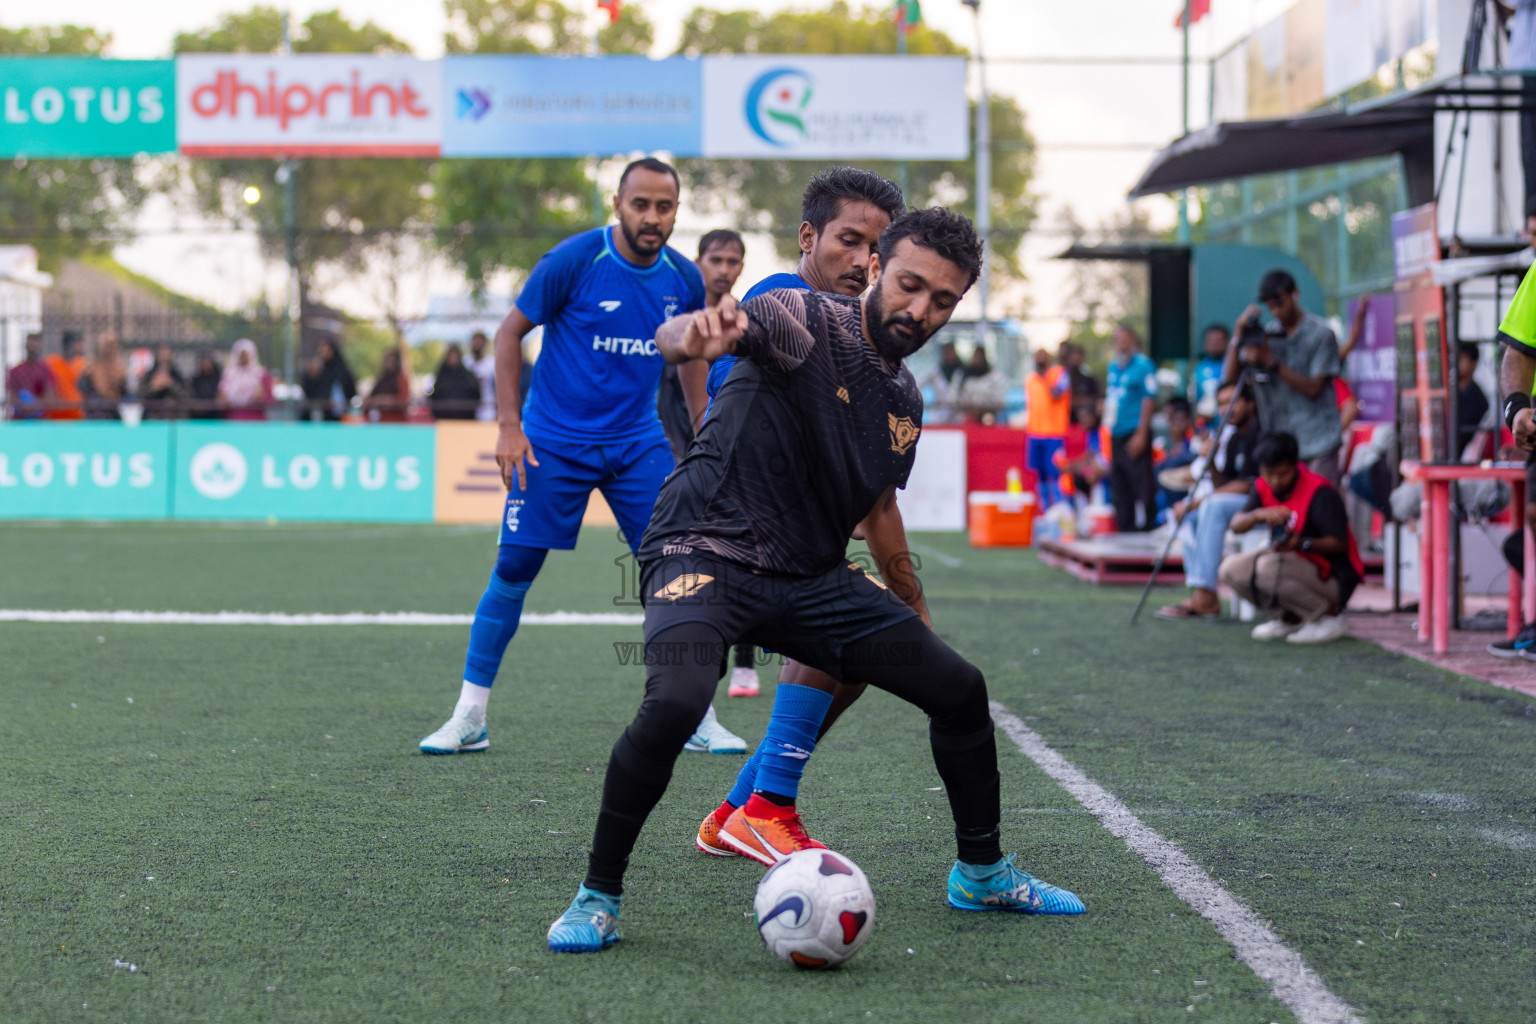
807, 618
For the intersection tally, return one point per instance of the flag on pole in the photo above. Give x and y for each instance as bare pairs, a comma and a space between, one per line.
909, 13
612, 7
1197, 10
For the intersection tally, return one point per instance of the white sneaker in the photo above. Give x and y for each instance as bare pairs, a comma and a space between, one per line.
1325, 629
743, 683
713, 738
1274, 629
464, 733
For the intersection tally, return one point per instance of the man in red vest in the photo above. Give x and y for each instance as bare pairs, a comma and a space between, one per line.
1302, 581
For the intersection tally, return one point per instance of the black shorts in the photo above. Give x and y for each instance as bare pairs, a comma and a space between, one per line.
807, 618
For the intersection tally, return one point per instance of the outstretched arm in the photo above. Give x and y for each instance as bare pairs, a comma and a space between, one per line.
704, 334
886, 535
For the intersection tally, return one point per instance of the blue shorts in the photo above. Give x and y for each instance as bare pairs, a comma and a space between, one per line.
547, 514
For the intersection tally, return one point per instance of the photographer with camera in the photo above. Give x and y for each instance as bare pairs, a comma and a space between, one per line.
1293, 372
1305, 577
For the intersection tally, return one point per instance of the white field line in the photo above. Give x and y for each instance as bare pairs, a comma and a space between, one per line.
1280, 967
316, 619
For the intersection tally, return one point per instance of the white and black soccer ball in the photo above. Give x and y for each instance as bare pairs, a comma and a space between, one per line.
814, 909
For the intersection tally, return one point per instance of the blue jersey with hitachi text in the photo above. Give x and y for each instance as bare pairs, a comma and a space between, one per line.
598, 366
721, 368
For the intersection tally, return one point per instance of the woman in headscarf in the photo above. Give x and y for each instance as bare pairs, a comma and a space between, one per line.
391, 393
455, 390
245, 390
104, 383
983, 391
205, 388
328, 384
162, 389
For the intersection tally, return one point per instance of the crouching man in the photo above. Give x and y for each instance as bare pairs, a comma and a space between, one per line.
1303, 580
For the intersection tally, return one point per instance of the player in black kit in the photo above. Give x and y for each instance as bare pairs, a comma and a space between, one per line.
811, 438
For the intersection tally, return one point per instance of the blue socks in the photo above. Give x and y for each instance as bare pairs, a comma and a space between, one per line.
780, 759
496, 619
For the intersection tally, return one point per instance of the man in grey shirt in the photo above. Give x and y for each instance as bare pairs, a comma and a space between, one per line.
1293, 374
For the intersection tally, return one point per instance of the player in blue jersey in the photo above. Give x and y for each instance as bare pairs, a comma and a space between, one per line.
590, 420
843, 211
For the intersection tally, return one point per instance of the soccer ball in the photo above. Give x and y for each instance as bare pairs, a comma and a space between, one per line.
814, 909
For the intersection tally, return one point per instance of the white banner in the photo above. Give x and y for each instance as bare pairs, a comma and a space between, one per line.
308, 105
836, 107
934, 498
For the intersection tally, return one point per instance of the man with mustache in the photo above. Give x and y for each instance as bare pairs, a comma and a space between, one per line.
842, 213
590, 420
820, 397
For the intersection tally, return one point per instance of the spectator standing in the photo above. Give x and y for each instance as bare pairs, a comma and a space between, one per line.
67, 367
1295, 371
1048, 407
164, 390
29, 385
205, 388
455, 393
329, 386
1209, 372
481, 361
1305, 577
104, 382
390, 396
1129, 393
1085, 387
1209, 512
245, 389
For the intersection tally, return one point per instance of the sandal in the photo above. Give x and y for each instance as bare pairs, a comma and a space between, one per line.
1183, 610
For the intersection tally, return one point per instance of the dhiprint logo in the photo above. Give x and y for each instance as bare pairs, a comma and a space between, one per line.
218, 471
609, 305
776, 104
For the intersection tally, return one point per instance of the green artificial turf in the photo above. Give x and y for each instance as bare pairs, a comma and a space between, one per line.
309, 865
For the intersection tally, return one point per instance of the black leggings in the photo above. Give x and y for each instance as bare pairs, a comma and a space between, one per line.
907, 660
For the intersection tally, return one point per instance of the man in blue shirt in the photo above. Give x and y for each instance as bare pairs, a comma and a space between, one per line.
1130, 390
1206, 377
590, 420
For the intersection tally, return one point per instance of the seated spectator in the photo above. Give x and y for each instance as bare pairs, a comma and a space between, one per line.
29, 386
67, 367
245, 389
329, 386
455, 393
1178, 451
983, 391
1304, 578
163, 391
945, 380
391, 392
1082, 454
204, 388
104, 383
1210, 511
1472, 440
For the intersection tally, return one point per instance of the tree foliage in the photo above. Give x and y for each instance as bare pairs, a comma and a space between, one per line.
764, 195
1101, 294
343, 205
64, 208
502, 215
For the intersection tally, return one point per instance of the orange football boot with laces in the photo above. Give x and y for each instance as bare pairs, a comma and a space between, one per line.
708, 840
766, 832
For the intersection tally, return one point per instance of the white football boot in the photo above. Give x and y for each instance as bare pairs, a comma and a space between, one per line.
462, 734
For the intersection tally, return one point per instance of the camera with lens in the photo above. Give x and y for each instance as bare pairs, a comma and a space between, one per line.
1253, 336
1279, 535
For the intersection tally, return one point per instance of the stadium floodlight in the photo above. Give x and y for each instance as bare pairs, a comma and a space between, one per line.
252, 195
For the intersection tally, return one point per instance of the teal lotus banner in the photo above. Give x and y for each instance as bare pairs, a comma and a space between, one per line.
84, 471
84, 106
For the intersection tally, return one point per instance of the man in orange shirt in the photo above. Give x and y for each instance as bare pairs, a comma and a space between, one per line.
66, 378
1048, 398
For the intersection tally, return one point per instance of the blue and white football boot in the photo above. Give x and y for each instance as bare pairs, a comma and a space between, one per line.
1002, 886
589, 925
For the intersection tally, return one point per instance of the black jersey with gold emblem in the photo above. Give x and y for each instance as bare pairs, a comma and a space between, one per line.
809, 429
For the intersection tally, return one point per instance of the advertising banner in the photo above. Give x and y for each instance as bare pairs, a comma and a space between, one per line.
1419, 313
306, 471
84, 471
85, 106
934, 498
308, 105
1372, 366
845, 108
468, 484
570, 106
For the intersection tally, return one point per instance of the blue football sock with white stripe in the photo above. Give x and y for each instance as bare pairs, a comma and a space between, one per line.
797, 715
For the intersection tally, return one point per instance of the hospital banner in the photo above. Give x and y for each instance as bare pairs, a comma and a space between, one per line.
570, 106
233, 105
304, 471
836, 108
84, 471
85, 106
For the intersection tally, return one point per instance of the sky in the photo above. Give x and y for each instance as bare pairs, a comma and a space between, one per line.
1097, 124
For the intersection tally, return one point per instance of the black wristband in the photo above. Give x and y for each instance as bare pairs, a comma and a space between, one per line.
1512, 406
